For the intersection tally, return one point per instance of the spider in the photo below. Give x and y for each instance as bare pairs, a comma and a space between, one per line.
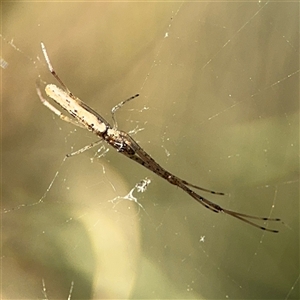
84, 116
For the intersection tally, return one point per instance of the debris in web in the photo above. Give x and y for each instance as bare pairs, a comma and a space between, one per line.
140, 187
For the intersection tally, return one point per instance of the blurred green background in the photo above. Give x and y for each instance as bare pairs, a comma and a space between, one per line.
219, 107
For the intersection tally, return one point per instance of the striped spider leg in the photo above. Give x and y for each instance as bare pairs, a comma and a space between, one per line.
85, 117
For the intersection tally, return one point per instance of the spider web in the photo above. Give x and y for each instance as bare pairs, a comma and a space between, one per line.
218, 106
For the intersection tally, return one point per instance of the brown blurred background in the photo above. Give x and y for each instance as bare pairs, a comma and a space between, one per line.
220, 82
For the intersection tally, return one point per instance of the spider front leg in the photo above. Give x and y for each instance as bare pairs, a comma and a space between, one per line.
115, 108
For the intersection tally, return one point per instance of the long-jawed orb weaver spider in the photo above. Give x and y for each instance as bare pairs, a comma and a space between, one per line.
85, 117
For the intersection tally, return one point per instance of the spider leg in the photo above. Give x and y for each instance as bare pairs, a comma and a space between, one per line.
92, 145
240, 216
115, 108
51, 69
202, 189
